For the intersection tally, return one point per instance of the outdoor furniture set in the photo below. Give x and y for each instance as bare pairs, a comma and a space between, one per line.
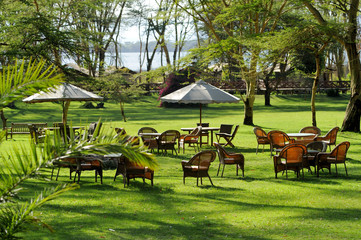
197, 166
296, 151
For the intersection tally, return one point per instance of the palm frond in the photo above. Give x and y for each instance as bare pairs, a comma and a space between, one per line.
13, 218
26, 78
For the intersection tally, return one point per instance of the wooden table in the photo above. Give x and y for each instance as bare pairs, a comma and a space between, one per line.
211, 129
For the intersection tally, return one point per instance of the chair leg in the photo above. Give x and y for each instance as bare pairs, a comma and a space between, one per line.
219, 166
57, 175
345, 169
257, 148
223, 169
336, 169
100, 172
210, 180
237, 169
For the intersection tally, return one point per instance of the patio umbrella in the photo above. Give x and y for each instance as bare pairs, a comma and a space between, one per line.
64, 93
200, 92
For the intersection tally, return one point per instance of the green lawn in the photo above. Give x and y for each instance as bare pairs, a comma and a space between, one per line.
257, 206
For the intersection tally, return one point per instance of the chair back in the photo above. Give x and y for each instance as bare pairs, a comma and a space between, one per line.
93, 126
332, 134
234, 131
311, 129
120, 131
340, 151
197, 131
203, 125
261, 135
278, 139
147, 130
34, 132
293, 153
203, 159
221, 152
317, 145
169, 136
226, 128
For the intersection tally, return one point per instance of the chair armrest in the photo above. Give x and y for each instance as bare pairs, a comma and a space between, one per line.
292, 140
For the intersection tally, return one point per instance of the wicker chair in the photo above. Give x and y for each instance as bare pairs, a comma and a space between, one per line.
167, 141
204, 133
191, 139
336, 156
148, 140
94, 129
131, 170
79, 164
311, 129
198, 165
36, 134
227, 158
226, 136
329, 138
278, 140
313, 149
261, 137
292, 158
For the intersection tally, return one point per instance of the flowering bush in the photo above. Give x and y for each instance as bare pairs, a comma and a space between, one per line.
176, 81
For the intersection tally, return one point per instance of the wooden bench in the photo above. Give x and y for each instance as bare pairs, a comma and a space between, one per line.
22, 128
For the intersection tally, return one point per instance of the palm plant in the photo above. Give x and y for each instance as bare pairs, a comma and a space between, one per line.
25, 78
22, 162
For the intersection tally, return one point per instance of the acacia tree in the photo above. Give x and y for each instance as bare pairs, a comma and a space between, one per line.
346, 33
231, 27
34, 29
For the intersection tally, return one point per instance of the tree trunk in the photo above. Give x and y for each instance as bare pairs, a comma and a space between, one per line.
248, 111
122, 109
351, 121
314, 90
267, 97
3, 119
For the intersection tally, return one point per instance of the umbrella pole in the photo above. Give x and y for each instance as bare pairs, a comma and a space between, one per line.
66, 105
200, 114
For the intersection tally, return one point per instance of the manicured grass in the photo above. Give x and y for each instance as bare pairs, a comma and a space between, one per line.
257, 206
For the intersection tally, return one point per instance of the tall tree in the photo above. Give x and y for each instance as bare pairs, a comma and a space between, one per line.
345, 32
231, 26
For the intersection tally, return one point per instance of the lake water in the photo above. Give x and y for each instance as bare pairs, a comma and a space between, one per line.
131, 60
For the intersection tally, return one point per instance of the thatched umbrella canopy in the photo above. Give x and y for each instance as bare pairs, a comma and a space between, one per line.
64, 93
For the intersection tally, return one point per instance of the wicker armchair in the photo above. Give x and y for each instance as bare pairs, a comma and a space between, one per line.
278, 140
148, 140
204, 133
227, 158
79, 164
131, 170
261, 137
336, 156
167, 141
198, 165
329, 138
313, 149
311, 129
291, 158
190, 139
